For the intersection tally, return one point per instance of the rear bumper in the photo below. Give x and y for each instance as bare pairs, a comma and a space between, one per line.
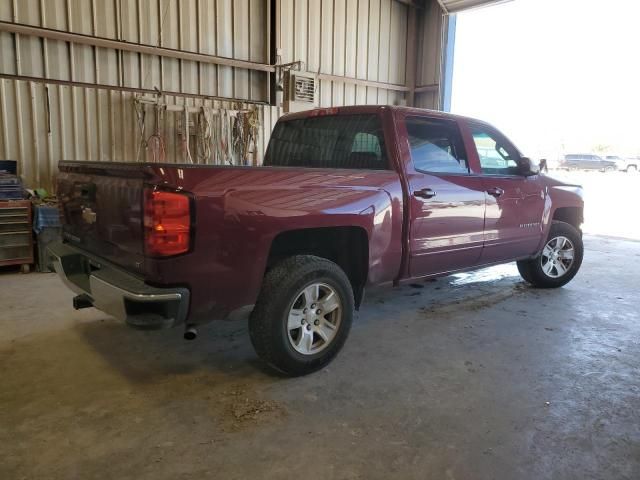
117, 292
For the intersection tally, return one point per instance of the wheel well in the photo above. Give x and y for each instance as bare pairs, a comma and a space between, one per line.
571, 215
348, 247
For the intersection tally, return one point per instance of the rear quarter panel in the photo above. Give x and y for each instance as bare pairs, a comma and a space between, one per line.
239, 211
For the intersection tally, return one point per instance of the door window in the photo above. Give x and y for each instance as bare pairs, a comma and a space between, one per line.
436, 146
497, 156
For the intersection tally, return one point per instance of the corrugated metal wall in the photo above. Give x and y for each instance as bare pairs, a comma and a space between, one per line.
214, 27
71, 101
42, 124
429, 51
364, 39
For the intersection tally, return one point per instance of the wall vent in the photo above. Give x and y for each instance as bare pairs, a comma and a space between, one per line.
300, 91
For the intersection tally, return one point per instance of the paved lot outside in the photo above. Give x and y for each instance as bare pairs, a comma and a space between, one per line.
611, 203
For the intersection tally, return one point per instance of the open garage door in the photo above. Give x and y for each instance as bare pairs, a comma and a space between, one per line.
454, 6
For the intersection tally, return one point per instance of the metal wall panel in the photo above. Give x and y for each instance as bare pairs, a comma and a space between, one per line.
364, 39
429, 51
43, 121
228, 28
41, 124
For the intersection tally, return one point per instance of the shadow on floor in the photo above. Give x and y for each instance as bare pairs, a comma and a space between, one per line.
222, 349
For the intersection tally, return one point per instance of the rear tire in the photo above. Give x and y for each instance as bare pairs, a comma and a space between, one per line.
288, 328
559, 260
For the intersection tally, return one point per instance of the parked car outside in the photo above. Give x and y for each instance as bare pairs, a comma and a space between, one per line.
348, 198
587, 161
629, 165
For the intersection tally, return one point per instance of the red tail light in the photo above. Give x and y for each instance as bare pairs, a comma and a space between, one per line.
167, 223
321, 112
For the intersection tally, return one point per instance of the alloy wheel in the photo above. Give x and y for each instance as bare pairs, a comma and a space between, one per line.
557, 257
314, 318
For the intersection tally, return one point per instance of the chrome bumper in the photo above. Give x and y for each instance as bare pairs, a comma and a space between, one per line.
116, 292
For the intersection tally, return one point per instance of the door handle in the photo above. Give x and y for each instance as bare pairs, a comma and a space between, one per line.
495, 191
424, 193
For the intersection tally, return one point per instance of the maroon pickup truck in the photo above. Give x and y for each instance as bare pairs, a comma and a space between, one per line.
347, 198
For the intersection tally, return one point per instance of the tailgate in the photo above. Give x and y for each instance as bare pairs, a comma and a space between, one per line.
102, 208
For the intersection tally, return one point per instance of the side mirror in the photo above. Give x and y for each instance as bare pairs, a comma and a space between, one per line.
528, 167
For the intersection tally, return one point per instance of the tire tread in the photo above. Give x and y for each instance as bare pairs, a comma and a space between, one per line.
277, 287
531, 270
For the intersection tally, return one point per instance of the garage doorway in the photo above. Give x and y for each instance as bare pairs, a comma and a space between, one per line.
561, 80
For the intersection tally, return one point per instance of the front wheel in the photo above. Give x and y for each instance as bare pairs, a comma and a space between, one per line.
303, 314
559, 260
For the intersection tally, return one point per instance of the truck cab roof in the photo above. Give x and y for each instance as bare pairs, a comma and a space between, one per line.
364, 109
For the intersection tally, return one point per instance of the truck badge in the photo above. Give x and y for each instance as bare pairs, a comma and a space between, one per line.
88, 215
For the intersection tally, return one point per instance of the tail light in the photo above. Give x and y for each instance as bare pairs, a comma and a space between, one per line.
321, 112
167, 223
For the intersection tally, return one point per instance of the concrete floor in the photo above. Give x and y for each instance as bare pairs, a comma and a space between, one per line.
468, 377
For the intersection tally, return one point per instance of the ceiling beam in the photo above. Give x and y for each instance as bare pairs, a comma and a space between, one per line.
443, 7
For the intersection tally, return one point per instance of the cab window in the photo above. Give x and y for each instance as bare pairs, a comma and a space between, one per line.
497, 156
366, 143
329, 141
436, 146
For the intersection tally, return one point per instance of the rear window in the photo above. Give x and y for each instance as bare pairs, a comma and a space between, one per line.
333, 141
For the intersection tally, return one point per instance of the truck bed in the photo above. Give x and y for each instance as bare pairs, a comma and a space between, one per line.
238, 212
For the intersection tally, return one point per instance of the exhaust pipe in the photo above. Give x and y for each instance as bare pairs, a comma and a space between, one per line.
190, 333
82, 301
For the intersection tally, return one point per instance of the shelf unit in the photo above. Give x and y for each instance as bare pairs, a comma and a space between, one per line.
16, 239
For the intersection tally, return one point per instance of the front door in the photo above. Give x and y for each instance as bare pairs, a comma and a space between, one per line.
446, 203
514, 203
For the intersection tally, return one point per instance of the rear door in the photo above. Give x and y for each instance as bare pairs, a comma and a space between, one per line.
584, 162
576, 161
514, 203
600, 163
446, 202
595, 162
